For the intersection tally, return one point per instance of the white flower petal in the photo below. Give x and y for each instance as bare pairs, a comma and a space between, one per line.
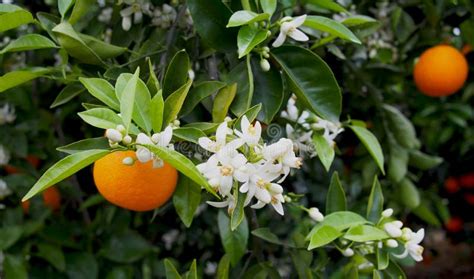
298, 21
298, 35
278, 208
279, 40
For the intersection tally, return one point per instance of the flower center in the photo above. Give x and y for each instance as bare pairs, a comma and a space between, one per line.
287, 27
251, 130
261, 183
227, 170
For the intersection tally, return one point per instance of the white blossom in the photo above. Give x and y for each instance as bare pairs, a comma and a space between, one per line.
387, 213
392, 243
163, 17
4, 156
315, 214
135, 11
169, 238
331, 129
161, 139
413, 247
250, 134
105, 15
7, 114
289, 27
113, 135
221, 135
393, 228
348, 252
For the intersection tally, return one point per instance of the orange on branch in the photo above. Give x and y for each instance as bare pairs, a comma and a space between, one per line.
51, 199
440, 71
138, 187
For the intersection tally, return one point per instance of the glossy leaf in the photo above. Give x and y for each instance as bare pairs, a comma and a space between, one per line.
329, 5
401, 128
28, 42
103, 118
170, 269
126, 247
102, 49
9, 236
355, 20
157, 106
340, 221
53, 254
81, 265
268, 91
268, 6
14, 267
332, 27
375, 205
323, 235
222, 102
186, 199
127, 99
64, 6
15, 78
65, 168
80, 9
223, 267
423, 161
188, 134
383, 258
177, 73
311, 79
182, 164
245, 17
363, 233
267, 235
336, 197
234, 242
67, 94
371, 143
13, 17
243, 76
238, 214
324, 151
174, 103
397, 163
85, 144
210, 18
198, 93
251, 115
248, 38
102, 90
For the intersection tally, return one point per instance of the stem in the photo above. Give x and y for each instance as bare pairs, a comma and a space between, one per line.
246, 5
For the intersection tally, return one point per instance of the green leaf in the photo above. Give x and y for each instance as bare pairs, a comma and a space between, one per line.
311, 79
223, 267
53, 254
121, 272
13, 16
85, 144
363, 233
324, 151
423, 161
102, 49
323, 235
267, 235
410, 196
234, 242
198, 93
332, 27
402, 24
383, 258
355, 20
186, 199
237, 214
126, 247
394, 271
152, 83
28, 42
329, 5
251, 114
243, 76
127, 100
74, 45
188, 134
245, 17
9, 235
182, 164
157, 107
81, 265
268, 91
15, 78
375, 205
210, 18
92, 201
268, 6
141, 108
206, 127
80, 9
171, 272
48, 22
397, 163
248, 38
336, 197
371, 143
426, 213
177, 73
401, 128
174, 103
102, 90
14, 267
192, 273
68, 93
103, 118
65, 168
340, 221
222, 102
64, 6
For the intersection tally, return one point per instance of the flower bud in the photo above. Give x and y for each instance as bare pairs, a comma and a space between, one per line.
121, 128
392, 229
265, 65
113, 135
407, 234
266, 55
392, 243
275, 188
266, 49
128, 161
315, 214
387, 212
348, 252
127, 139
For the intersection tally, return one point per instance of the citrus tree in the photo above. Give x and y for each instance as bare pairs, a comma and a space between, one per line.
235, 139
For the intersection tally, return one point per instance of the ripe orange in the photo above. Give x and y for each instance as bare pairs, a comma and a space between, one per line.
440, 71
51, 198
139, 187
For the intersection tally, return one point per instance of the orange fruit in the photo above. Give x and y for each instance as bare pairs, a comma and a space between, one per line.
32, 159
440, 71
138, 187
51, 198
451, 185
